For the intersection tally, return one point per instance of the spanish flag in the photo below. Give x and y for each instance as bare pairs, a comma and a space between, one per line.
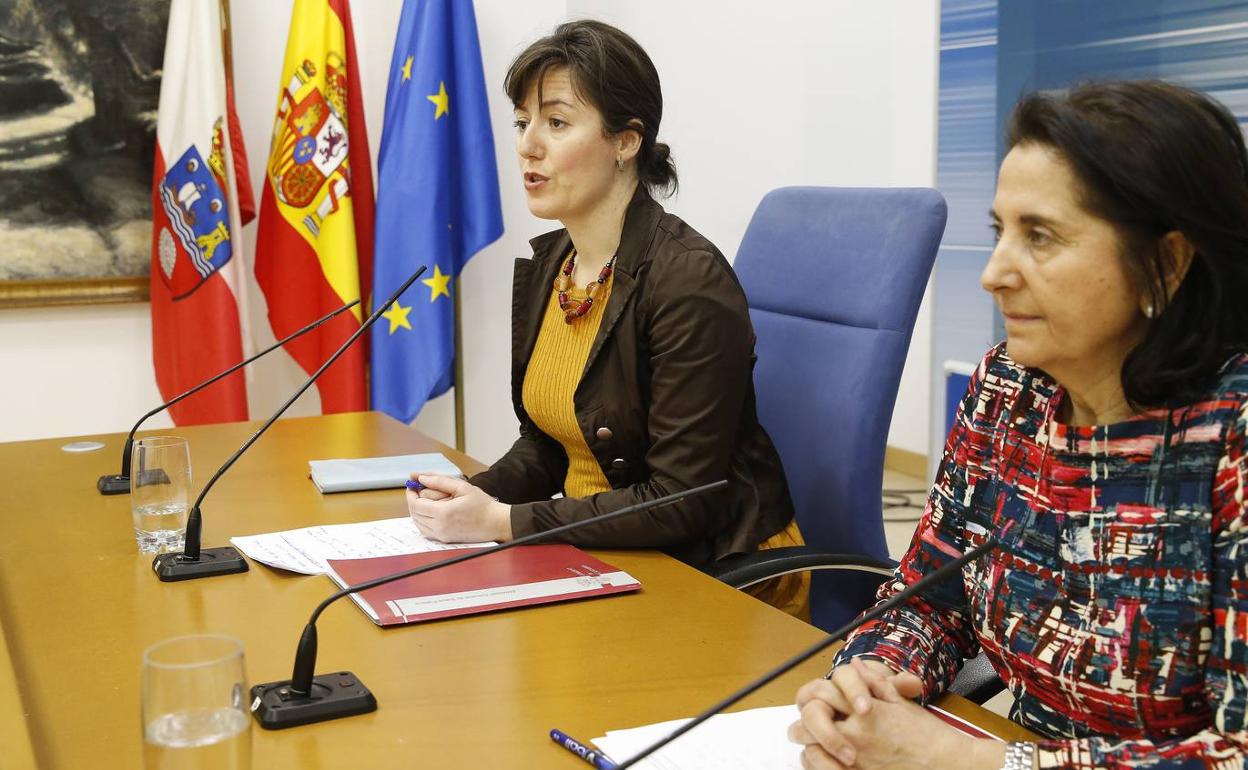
314, 247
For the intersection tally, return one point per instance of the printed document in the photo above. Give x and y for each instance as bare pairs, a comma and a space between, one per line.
307, 550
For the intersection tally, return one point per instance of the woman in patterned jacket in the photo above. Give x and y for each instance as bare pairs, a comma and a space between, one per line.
1104, 445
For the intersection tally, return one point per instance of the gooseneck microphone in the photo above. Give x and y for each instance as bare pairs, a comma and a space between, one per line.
119, 483
305, 698
193, 562
896, 599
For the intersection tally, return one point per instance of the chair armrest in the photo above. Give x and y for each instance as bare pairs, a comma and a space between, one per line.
977, 681
746, 569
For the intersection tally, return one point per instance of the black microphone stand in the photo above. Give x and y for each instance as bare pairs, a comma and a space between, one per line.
305, 698
196, 563
832, 638
119, 483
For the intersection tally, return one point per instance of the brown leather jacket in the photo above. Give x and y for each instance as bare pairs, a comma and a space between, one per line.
666, 401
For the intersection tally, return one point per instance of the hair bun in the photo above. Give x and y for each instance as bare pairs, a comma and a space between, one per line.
660, 171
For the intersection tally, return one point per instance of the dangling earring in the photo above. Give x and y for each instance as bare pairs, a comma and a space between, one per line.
1149, 311
619, 163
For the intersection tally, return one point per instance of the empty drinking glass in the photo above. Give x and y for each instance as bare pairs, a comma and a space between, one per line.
160, 482
194, 706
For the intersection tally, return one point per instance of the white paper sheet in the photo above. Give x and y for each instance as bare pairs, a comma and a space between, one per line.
743, 740
306, 550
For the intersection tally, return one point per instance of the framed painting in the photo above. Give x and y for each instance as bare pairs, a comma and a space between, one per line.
79, 86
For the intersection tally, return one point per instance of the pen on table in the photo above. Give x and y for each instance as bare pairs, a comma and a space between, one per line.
414, 485
592, 756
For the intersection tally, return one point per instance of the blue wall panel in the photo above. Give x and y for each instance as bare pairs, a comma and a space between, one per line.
992, 53
966, 163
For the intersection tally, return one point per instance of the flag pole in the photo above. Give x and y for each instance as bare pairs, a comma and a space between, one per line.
459, 366
226, 39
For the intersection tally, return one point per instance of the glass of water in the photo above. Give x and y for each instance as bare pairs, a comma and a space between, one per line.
160, 483
194, 706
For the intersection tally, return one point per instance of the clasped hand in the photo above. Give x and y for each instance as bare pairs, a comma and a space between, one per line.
863, 717
451, 510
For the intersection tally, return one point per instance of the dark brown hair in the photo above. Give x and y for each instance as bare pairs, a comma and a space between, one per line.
1153, 158
611, 72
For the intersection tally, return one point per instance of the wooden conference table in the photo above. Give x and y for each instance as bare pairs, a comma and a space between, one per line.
78, 605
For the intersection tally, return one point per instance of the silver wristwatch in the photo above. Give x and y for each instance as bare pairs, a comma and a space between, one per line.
1018, 756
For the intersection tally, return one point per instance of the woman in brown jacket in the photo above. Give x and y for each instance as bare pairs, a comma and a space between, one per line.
639, 384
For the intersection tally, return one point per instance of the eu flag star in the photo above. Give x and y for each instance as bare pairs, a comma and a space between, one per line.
439, 284
407, 69
397, 316
440, 100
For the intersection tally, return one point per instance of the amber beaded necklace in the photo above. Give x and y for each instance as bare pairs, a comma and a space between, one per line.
573, 310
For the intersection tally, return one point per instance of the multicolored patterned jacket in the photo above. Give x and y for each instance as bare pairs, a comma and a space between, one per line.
1116, 608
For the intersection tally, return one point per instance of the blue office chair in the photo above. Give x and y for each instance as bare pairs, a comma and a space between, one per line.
834, 277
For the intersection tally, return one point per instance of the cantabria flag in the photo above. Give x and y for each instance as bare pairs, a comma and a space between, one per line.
200, 200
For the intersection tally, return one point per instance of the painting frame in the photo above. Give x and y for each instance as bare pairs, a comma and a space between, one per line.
73, 291
77, 146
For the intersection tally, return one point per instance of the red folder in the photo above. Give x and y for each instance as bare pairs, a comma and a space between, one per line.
960, 724
519, 577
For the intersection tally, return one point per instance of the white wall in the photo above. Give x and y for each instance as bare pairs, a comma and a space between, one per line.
811, 92
75, 370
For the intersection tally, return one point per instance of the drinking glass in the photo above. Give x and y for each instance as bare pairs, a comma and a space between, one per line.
194, 706
160, 482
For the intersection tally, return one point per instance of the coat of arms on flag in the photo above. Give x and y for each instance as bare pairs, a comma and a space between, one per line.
311, 141
192, 194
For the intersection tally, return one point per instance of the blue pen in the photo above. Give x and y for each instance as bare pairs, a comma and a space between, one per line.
593, 757
414, 485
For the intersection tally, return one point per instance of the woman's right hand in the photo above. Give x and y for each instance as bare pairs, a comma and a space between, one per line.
824, 702
426, 493
847, 691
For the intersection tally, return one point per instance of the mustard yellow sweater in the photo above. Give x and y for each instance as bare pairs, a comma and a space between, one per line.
555, 369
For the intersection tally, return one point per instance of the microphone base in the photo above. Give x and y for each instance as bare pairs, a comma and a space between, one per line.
171, 567
113, 484
333, 696
117, 484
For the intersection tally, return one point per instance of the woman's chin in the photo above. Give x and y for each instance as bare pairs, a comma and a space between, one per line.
541, 209
1022, 353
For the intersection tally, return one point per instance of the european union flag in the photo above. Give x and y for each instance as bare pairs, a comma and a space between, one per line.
437, 198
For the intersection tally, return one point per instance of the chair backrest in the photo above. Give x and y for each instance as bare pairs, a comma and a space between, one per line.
834, 278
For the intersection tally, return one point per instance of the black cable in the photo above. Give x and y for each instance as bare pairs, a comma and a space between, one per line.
893, 499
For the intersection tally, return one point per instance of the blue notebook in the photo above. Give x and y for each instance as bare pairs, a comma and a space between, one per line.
376, 472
